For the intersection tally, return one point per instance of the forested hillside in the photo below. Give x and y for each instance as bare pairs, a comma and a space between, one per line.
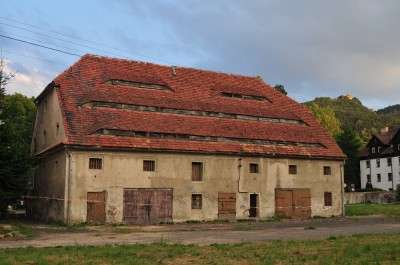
352, 113
391, 110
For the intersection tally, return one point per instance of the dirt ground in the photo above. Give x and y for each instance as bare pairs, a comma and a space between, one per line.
47, 235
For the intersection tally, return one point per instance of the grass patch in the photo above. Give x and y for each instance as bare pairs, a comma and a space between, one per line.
192, 221
270, 219
121, 230
372, 249
246, 220
390, 210
24, 229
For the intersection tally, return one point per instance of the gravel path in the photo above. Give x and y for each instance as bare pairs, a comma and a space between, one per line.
202, 234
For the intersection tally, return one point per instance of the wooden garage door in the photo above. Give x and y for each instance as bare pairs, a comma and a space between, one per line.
227, 206
96, 207
147, 206
293, 203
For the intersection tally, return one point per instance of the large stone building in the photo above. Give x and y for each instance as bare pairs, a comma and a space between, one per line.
133, 142
380, 160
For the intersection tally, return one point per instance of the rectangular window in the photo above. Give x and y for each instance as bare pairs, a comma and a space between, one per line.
368, 163
378, 177
368, 178
197, 201
378, 163
149, 165
254, 168
390, 177
379, 149
292, 169
95, 163
389, 161
328, 198
197, 171
373, 150
327, 170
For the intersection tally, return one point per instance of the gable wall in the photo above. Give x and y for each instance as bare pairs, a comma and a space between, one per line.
46, 134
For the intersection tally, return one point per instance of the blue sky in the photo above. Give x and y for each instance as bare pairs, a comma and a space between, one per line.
313, 48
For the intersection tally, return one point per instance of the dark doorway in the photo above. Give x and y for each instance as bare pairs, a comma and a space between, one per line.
253, 205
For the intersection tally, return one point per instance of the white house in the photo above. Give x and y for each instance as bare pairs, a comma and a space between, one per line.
380, 160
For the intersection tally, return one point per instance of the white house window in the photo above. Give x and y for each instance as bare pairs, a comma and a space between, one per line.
368, 163
378, 177
368, 178
379, 149
390, 177
389, 161
378, 163
373, 150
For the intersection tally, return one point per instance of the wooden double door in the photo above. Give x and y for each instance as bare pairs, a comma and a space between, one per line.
147, 206
293, 203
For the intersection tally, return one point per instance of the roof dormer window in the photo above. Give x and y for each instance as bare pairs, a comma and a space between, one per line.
241, 96
373, 150
117, 82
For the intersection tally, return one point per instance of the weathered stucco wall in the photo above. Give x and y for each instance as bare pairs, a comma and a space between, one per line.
49, 128
221, 174
47, 201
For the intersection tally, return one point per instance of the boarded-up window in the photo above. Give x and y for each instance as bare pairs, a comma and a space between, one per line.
149, 165
327, 170
328, 198
254, 168
293, 169
95, 163
197, 171
196, 201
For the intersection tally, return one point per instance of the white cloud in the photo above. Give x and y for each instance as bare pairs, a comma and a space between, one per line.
29, 82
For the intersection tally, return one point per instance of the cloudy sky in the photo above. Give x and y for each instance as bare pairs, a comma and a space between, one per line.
313, 48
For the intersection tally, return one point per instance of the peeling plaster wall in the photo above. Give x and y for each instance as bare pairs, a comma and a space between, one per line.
221, 174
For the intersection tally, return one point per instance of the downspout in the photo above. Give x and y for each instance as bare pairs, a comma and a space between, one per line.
239, 169
391, 168
69, 188
342, 187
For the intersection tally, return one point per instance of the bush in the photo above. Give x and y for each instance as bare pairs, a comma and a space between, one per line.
398, 193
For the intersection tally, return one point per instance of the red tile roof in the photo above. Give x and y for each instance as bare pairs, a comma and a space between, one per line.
190, 96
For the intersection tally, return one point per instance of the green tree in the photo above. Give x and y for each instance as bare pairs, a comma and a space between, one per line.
327, 118
16, 164
4, 80
280, 88
351, 144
